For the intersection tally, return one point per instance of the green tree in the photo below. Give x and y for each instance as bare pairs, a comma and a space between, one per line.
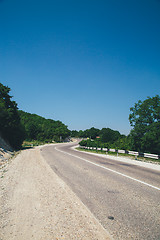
39, 128
145, 119
124, 142
81, 133
109, 135
151, 139
91, 133
10, 126
74, 133
83, 143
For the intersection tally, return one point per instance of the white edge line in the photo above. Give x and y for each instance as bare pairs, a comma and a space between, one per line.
149, 185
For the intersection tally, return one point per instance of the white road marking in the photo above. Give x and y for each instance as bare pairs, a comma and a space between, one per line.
95, 164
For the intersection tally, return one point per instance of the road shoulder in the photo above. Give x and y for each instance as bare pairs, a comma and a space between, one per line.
123, 159
37, 204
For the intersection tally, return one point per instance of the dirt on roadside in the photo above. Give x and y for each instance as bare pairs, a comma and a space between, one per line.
36, 204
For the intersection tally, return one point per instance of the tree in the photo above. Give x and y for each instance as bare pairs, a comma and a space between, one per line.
92, 133
39, 128
109, 135
145, 119
81, 133
10, 126
151, 140
74, 133
124, 142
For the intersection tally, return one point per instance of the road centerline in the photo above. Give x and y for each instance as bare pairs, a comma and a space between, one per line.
108, 169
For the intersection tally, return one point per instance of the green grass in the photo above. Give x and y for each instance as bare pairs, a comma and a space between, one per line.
33, 143
121, 155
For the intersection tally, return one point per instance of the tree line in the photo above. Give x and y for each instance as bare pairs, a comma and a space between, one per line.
17, 126
144, 137
41, 129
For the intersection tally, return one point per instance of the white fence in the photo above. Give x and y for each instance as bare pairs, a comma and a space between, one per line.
136, 154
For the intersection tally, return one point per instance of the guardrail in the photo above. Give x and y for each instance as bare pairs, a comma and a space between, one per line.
136, 154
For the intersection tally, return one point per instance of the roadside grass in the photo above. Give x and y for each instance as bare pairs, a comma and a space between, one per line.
33, 143
121, 155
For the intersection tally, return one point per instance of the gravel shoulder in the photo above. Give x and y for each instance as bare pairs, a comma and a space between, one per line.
36, 204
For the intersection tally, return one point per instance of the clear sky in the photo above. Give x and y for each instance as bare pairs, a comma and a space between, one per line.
82, 62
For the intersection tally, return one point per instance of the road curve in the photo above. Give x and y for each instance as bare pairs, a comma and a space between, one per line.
125, 198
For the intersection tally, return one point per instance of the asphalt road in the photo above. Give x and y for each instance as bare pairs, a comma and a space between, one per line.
125, 198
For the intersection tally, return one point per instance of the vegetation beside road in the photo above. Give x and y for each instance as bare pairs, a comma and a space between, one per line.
18, 126
33, 143
144, 137
41, 129
120, 154
11, 128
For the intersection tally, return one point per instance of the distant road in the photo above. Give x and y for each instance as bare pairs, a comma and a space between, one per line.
124, 198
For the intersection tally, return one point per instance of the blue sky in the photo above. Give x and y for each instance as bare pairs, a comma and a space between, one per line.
82, 62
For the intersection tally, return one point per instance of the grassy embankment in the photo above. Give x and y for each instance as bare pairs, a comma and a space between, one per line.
33, 143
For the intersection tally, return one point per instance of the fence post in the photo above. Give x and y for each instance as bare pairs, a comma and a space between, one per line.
117, 152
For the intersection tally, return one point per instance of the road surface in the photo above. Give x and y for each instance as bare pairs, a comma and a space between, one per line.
125, 198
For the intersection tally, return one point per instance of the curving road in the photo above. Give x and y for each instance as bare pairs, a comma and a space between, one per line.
125, 198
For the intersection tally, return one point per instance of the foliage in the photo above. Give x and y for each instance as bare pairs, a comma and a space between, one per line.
10, 126
83, 143
105, 134
39, 128
106, 137
145, 119
145, 113
144, 137
124, 142
109, 135
28, 144
74, 133
91, 133
15, 126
